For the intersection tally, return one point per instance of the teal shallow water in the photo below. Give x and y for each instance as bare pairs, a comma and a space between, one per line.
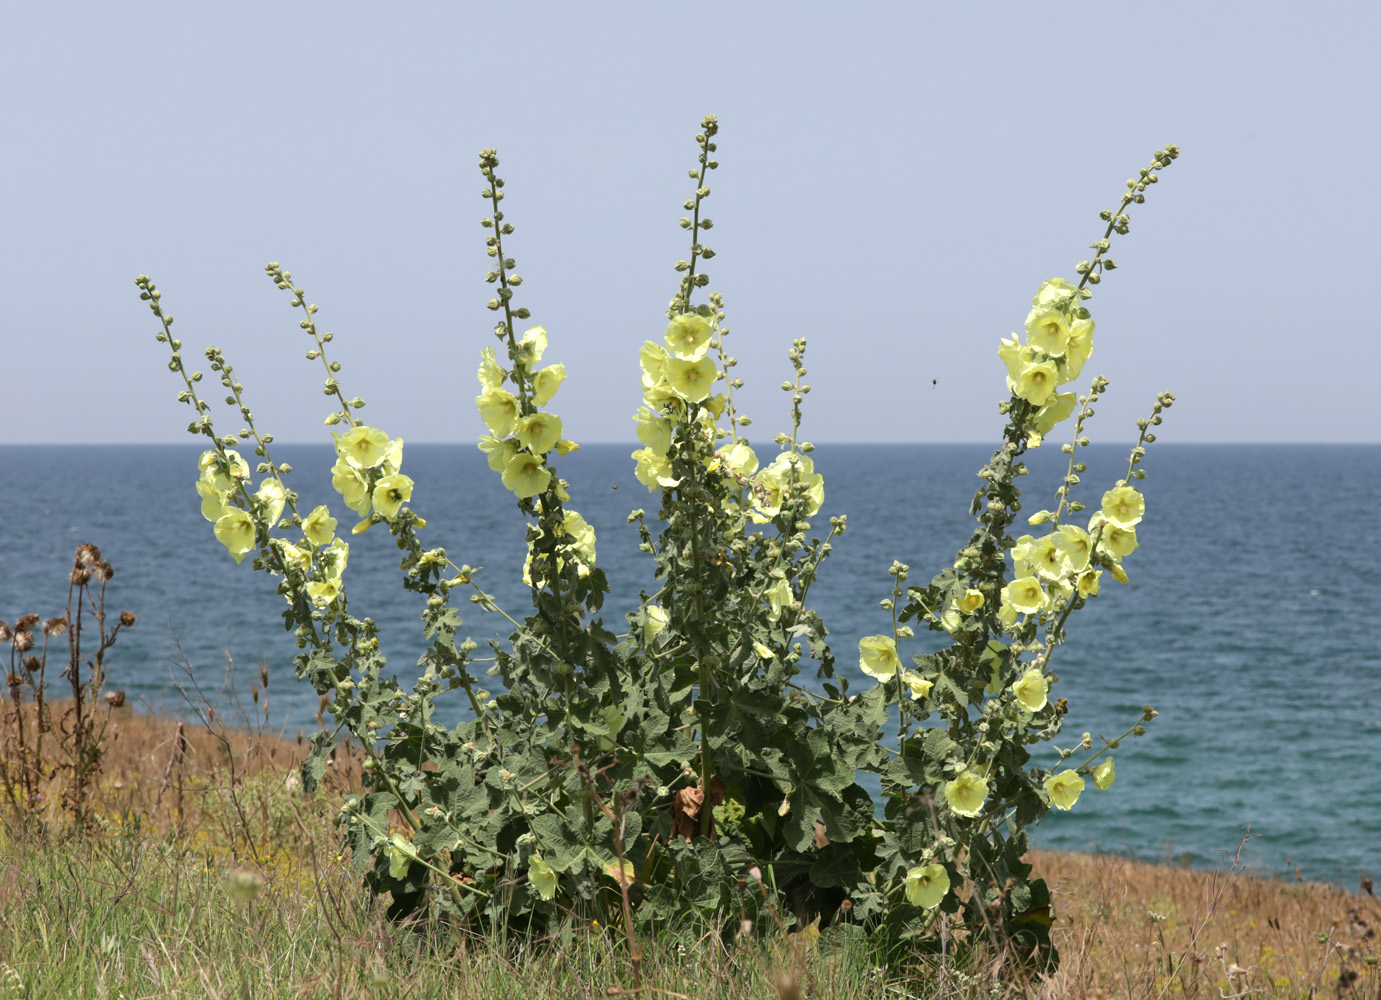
1248, 622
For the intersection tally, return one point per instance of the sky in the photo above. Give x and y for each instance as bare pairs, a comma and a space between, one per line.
895, 181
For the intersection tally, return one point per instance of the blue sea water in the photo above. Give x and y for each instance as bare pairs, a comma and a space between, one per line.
1249, 621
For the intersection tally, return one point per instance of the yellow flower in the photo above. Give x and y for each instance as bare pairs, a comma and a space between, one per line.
1078, 347
653, 360
401, 854
580, 536
352, 484
212, 470
1036, 382
653, 470
272, 496
1053, 292
926, 886
1016, 356
764, 653
333, 559
1031, 689
779, 596
363, 447
490, 374
499, 411
213, 501
293, 556
655, 620
319, 527
967, 793
920, 687
1044, 558
688, 336
787, 468
393, 457
1047, 329
1116, 541
546, 382
739, 458
971, 601
525, 475
1103, 775
1124, 506
1088, 582
1057, 408
541, 877
1025, 595
653, 431
323, 592
235, 530
538, 432
1064, 789
390, 493
1074, 546
877, 657
499, 450
532, 347
691, 380
1118, 573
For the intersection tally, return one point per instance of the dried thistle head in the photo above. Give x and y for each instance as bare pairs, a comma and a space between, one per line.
80, 575
127, 618
102, 571
32, 663
115, 699
87, 555
26, 623
6, 633
23, 641
54, 627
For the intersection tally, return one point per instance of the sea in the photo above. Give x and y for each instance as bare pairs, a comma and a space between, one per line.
1249, 622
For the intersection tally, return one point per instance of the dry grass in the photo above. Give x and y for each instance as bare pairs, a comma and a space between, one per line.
1125, 929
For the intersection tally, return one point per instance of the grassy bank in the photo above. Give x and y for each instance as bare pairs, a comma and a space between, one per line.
210, 874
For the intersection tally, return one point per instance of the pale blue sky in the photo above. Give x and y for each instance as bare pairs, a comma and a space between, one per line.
895, 181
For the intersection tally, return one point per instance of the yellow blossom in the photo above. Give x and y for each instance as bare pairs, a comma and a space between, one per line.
500, 451
877, 657
213, 501
1036, 382
363, 447
1123, 506
926, 886
390, 493
499, 411
525, 475
546, 382
1031, 689
490, 374
1103, 775
920, 687
688, 336
319, 527
541, 877
1025, 595
1064, 789
691, 380
235, 530
538, 432
532, 347
654, 621
1047, 329
967, 793
653, 431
